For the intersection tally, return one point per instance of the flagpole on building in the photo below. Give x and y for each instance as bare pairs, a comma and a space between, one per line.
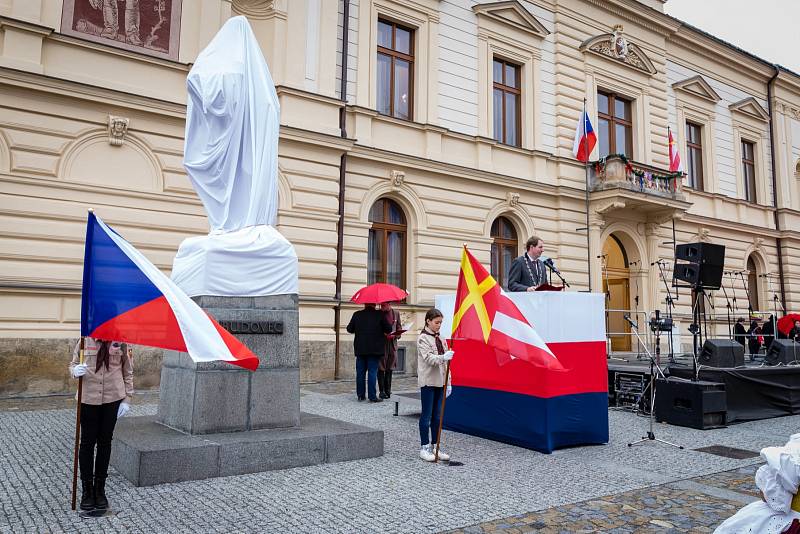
588, 233
77, 430
441, 416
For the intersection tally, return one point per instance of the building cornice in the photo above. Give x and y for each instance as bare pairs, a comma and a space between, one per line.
8, 22
635, 12
293, 133
762, 231
692, 40
90, 93
450, 169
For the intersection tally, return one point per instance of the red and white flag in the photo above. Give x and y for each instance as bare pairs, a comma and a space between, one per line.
484, 313
585, 138
674, 155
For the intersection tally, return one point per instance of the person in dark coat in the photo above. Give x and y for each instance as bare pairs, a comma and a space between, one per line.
768, 331
794, 333
528, 271
389, 360
752, 339
370, 328
739, 332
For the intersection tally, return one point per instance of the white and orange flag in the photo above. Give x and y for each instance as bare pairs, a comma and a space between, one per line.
484, 313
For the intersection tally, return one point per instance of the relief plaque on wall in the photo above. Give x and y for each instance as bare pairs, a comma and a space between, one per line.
149, 27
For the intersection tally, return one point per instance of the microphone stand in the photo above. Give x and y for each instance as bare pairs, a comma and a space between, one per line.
670, 304
552, 268
653, 368
728, 305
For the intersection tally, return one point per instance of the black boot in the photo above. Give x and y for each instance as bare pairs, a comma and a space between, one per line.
101, 502
87, 495
387, 387
382, 392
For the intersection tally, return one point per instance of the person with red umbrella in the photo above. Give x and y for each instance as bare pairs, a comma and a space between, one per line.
389, 360
794, 333
371, 328
787, 323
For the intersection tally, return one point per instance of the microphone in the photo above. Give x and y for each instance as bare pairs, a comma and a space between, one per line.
627, 317
549, 263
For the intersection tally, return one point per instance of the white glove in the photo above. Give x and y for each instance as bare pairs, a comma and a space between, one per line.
449, 390
124, 408
79, 370
447, 356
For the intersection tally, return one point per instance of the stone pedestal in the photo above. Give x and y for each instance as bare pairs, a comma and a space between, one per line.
211, 397
216, 419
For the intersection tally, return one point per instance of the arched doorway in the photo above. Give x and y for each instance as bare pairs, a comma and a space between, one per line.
616, 286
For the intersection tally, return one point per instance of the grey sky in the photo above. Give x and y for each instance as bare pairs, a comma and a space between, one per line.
766, 28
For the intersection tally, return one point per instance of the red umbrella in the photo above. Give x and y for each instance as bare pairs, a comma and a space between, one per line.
786, 322
377, 293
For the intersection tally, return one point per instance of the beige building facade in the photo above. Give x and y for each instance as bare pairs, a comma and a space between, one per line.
92, 115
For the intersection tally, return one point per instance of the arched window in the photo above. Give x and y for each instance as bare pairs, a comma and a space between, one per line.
387, 244
504, 249
752, 283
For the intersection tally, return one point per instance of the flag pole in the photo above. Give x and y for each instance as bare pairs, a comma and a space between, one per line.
586, 165
77, 431
441, 416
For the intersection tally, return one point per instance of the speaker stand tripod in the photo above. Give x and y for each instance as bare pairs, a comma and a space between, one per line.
651, 436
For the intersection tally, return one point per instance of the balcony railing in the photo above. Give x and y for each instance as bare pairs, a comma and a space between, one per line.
615, 171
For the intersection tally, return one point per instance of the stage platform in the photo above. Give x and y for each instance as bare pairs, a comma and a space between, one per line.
754, 391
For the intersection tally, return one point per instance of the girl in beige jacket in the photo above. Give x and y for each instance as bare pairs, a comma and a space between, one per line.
432, 361
107, 372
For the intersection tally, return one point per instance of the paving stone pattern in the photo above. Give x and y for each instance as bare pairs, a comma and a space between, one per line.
607, 488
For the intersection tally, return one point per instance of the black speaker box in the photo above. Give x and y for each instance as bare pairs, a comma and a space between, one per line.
706, 263
700, 405
783, 351
702, 253
722, 353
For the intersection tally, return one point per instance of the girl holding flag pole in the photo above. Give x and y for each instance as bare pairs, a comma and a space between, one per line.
432, 369
105, 373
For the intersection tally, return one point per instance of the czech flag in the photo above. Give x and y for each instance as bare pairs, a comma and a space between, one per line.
126, 298
585, 138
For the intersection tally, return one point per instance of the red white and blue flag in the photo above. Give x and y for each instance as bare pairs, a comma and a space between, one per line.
585, 138
126, 298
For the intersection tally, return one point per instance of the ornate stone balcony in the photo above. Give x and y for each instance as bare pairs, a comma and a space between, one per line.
617, 172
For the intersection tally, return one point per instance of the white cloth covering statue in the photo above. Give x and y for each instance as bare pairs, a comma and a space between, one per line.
778, 480
231, 155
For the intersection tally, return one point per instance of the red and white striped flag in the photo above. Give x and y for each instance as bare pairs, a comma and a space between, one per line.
674, 155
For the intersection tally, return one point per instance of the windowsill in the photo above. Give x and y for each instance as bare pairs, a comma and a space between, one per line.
385, 116
506, 145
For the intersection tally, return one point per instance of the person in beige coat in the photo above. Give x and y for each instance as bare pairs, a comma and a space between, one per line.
432, 361
107, 372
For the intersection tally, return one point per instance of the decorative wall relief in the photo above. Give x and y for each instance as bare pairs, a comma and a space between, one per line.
117, 128
149, 27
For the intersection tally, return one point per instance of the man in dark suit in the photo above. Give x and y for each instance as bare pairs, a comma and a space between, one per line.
528, 272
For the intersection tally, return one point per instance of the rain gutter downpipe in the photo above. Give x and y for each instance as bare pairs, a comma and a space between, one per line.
337, 308
778, 240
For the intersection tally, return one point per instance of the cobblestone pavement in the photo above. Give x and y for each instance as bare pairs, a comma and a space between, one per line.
607, 488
